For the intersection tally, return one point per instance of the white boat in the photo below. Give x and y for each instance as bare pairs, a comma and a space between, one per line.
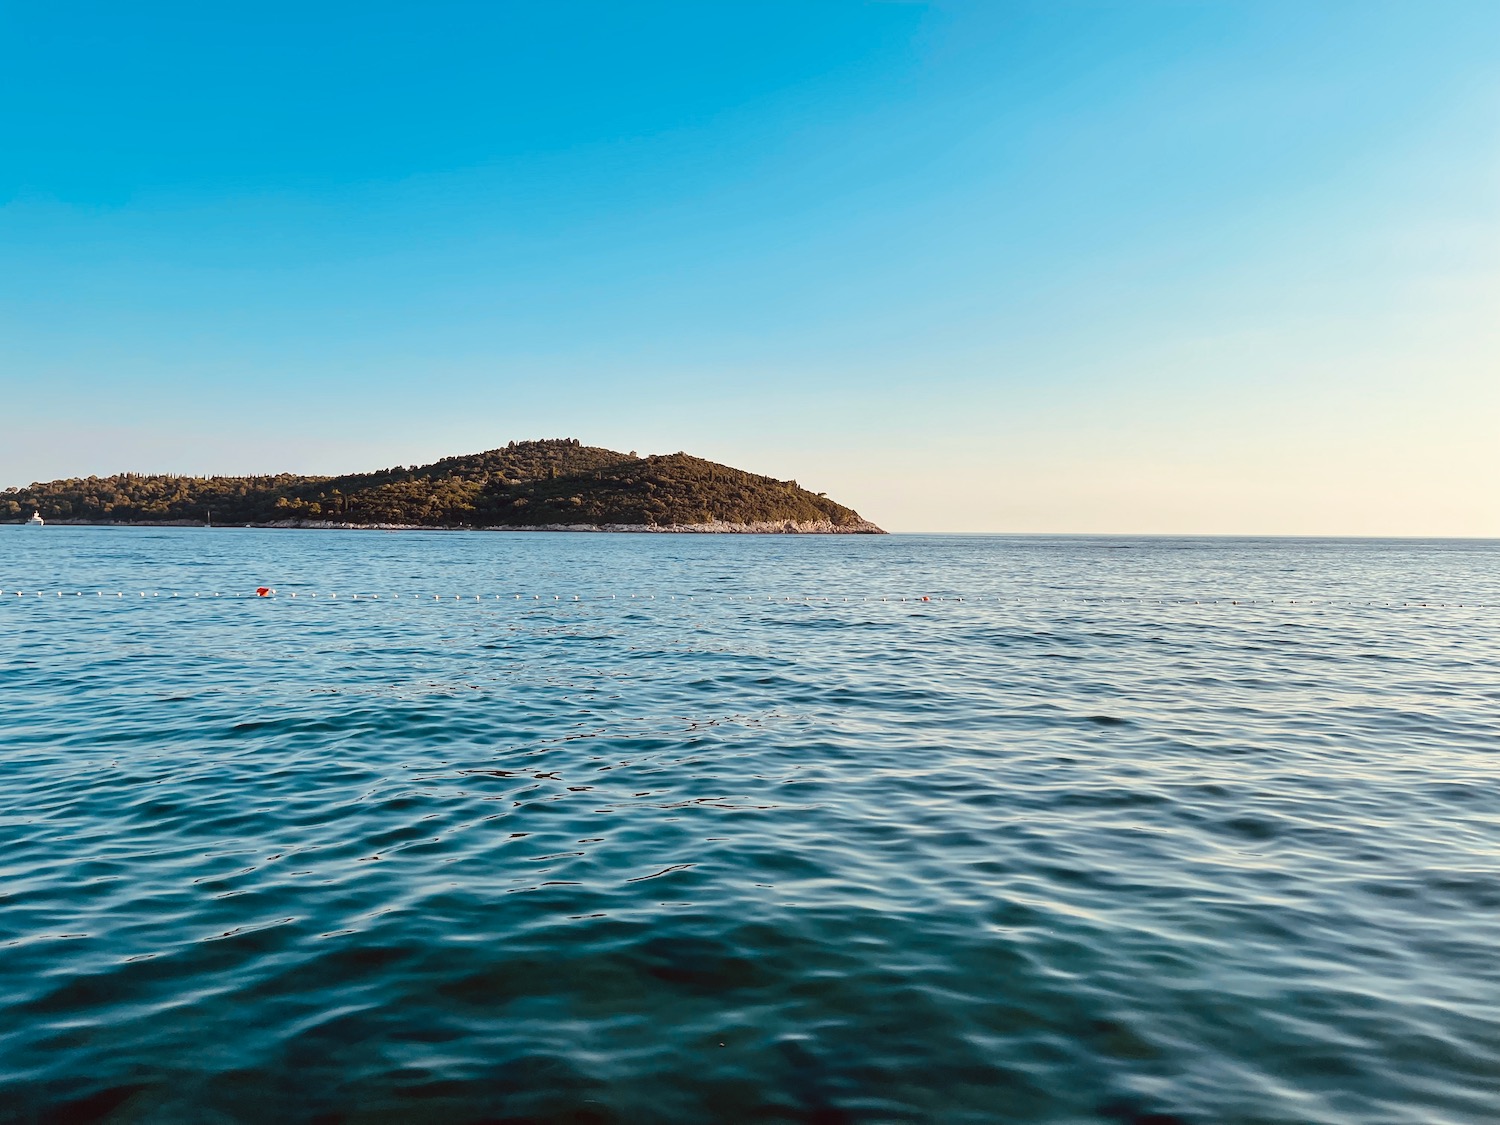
35, 520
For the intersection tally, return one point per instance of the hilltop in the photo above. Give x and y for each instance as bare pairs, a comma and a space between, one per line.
556, 483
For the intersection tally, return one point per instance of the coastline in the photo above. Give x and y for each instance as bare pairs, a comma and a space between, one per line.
555, 484
715, 527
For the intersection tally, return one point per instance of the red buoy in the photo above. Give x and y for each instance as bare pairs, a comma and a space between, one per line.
262, 591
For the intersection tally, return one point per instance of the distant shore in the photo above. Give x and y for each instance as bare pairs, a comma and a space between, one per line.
716, 527
553, 484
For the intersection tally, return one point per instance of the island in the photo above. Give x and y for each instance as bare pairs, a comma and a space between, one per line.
552, 485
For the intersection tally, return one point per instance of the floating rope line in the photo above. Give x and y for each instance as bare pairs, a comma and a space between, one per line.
271, 594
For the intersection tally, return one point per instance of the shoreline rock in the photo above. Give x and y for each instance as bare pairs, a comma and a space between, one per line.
717, 527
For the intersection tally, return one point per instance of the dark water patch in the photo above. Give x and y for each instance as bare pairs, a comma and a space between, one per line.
1129, 1114
102, 1105
1252, 827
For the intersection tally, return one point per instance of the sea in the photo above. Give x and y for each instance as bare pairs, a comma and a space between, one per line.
602, 828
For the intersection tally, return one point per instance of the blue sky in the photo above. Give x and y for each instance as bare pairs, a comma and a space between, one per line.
1158, 267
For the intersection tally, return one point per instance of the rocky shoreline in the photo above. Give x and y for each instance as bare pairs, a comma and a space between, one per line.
716, 527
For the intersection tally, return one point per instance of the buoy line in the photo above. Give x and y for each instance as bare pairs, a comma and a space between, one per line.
271, 594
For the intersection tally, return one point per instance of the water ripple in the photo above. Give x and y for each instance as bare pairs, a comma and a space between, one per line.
1101, 843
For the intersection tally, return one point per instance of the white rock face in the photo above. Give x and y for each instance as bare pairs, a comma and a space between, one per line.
716, 527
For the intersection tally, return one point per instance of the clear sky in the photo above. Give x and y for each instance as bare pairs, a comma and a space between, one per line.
1175, 266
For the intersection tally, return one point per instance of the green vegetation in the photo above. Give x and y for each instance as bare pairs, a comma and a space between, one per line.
526, 484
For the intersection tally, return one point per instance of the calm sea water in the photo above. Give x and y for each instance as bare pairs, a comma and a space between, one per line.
1093, 845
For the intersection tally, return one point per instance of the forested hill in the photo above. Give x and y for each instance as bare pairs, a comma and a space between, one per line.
525, 484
